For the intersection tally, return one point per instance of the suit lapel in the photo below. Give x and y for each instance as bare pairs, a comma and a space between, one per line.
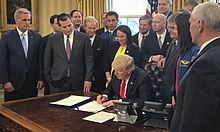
166, 41
131, 82
172, 53
17, 40
74, 43
95, 44
61, 44
30, 44
156, 43
210, 45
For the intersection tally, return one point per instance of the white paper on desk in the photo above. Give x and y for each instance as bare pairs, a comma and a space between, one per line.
92, 106
100, 117
71, 100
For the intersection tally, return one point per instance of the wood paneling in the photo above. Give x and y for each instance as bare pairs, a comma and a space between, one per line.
50, 7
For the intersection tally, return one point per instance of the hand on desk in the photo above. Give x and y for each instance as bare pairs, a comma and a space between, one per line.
87, 86
101, 100
109, 103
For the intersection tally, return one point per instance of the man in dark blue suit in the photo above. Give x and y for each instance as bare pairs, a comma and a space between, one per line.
99, 46
156, 44
129, 83
145, 22
21, 59
112, 23
198, 100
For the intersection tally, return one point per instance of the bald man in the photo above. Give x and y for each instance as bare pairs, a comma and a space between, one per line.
156, 44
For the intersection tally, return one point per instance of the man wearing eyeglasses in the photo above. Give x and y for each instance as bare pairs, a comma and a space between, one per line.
21, 59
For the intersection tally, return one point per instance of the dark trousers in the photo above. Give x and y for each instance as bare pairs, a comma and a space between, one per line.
64, 88
25, 92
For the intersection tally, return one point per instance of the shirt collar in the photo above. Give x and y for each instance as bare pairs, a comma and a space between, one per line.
162, 35
70, 36
20, 33
92, 39
206, 43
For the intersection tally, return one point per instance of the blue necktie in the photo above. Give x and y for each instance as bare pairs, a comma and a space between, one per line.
24, 44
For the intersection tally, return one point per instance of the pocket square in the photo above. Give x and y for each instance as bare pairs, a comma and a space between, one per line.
97, 49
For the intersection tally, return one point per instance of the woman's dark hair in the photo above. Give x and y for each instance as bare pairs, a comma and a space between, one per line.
125, 29
184, 37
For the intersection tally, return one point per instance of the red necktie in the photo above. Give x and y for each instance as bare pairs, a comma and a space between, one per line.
177, 79
122, 89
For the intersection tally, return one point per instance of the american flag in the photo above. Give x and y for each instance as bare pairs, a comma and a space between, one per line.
151, 7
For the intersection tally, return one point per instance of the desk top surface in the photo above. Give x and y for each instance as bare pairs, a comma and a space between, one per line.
36, 114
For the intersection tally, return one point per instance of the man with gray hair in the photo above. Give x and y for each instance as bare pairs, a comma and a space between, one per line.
129, 83
164, 7
21, 61
198, 100
99, 46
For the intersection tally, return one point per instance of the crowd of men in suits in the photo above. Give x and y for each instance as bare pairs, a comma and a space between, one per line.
73, 58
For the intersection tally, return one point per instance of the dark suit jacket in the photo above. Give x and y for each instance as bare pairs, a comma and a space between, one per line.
168, 76
131, 50
45, 39
80, 64
100, 46
14, 66
135, 37
198, 100
110, 38
100, 31
151, 46
139, 88
82, 29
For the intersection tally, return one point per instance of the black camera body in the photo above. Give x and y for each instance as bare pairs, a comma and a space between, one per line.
156, 115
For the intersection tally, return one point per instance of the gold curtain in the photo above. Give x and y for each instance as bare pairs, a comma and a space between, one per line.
179, 4
92, 8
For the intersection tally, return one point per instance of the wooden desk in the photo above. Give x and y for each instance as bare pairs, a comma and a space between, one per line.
35, 114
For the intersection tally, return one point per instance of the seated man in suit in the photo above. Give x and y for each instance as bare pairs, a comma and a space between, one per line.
129, 83
145, 22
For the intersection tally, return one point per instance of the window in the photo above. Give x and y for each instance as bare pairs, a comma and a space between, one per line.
129, 12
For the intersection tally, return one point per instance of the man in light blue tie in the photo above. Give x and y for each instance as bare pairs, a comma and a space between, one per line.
21, 60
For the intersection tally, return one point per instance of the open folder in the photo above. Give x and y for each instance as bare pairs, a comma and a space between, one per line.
71, 100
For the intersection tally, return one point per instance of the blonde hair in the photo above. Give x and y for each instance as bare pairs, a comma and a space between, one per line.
124, 62
90, 19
